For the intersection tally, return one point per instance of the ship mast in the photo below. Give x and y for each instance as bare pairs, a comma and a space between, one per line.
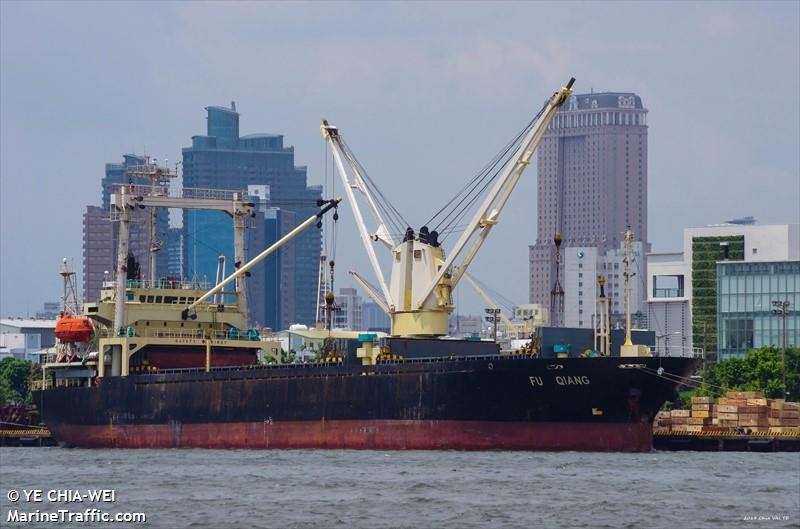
602, 338
159, 185
69, 299
627, 260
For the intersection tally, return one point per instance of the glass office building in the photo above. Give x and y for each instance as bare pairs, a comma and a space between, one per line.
745, 296
225, 160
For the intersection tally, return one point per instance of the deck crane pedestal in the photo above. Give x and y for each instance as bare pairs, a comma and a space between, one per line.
418, 294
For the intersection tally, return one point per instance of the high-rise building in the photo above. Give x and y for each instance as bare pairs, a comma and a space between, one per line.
592, 181
174, 253
100, 247
98, 251
349, 315
224, 160
264, 285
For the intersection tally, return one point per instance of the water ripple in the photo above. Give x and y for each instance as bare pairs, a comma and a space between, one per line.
302, 489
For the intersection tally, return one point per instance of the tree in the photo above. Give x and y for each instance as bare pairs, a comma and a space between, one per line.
14, 380
760, 370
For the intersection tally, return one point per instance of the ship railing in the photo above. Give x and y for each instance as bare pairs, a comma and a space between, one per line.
178, 192
204, 193
130, 332
313, 365
316, 368
166, 282
200, 334
684, 351
196, 334
162, 283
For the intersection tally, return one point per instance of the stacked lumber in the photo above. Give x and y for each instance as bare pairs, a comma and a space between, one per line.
700, 417
784, 416
679, 420
662, 420
736, 411
742, 409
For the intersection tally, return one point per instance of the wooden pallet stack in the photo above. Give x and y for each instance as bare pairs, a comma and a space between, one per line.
742, 409
747, 411
679, 420
663, 420
784, 416
700, 417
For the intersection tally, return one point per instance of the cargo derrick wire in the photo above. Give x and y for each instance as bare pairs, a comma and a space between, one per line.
389, 212
452, 213
450, 216
714, 389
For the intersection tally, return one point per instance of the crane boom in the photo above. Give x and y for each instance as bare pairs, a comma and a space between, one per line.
327, 205
489, 301
339, 149
487, 215
371, 291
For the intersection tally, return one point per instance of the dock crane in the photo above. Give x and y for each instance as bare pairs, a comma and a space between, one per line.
418, 295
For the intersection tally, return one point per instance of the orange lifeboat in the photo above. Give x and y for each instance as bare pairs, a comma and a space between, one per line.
72, 329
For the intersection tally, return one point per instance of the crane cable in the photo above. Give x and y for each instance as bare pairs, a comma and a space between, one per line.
455, 209
471, 184
388, 210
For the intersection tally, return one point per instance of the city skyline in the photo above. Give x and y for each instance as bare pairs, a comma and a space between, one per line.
421, 108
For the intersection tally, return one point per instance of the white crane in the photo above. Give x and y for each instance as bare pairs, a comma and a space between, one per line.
418, 294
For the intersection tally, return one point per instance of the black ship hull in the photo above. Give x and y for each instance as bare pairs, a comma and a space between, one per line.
489, 402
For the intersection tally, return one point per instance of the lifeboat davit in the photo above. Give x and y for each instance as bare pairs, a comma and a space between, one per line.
73, 329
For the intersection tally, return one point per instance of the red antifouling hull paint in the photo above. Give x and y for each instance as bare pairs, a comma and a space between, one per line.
369, 435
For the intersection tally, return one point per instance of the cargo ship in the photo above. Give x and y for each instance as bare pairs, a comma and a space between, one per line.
491, 401
172, 364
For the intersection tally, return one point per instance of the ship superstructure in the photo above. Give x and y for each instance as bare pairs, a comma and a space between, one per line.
150, 325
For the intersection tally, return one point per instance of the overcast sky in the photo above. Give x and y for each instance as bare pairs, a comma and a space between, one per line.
425, 94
